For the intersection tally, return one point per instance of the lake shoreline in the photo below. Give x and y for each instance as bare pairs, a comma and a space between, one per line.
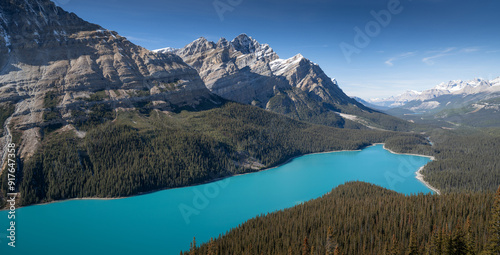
419, 177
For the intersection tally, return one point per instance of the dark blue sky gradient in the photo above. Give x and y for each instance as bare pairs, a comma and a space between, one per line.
429, 42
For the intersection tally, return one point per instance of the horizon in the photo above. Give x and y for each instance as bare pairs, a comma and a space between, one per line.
387, 41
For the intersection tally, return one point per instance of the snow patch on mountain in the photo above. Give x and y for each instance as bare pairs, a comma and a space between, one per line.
280, 66
166, 50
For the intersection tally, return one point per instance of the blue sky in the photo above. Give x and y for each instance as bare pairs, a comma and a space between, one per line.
402, 45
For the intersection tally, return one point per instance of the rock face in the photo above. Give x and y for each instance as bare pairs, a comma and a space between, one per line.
54, 67
248, 72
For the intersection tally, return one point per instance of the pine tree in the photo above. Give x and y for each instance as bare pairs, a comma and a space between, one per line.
211, 247
330, 242
459, 246
438, 242
412, 248
494, 229
469, 238
394, 250
306, 249
447, 242
192, 249
336, 251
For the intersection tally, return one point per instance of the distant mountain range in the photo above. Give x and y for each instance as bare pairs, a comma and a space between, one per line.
475, 102
457, 87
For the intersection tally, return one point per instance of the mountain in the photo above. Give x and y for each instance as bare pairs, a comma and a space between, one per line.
371, 105
456, 87
57, 69
248, 72
472, 103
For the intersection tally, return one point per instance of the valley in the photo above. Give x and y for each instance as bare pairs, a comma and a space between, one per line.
220, 146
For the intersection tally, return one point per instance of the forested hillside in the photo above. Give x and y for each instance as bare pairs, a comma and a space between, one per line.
361, 218
466, 159
151, 150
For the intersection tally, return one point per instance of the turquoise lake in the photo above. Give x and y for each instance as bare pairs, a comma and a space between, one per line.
165, 222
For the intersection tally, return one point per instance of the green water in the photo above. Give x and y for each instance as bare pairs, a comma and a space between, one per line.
165, 222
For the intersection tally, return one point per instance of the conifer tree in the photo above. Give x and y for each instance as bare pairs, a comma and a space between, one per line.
211, 247
330, 242
438, 241
394, 250
306, 249
336, 251
446, 246
412, 248
494, 229
192, 249
469, 238
459, 246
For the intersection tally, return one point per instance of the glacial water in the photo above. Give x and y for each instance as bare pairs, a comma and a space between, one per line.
165, 222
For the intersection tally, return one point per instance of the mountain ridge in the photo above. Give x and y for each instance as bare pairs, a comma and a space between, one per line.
473, 103
454, 87
248, 72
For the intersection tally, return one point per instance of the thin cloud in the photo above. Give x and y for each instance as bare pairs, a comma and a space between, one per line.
439, 54
390, 61
469, 50
448, 52
138, 39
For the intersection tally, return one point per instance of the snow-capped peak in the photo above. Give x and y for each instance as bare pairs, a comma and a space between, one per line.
166, 50
280, 66
457, 85
495, 82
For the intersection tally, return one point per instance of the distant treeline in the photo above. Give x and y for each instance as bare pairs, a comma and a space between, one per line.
361, 218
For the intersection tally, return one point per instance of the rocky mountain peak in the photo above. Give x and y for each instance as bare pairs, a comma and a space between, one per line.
199, 45
223, 43
245, 44
40, 21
